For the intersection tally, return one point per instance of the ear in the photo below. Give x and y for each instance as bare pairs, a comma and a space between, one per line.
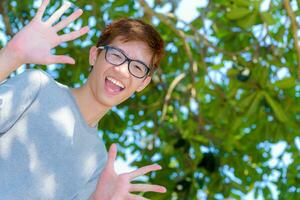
144, 84
93, 55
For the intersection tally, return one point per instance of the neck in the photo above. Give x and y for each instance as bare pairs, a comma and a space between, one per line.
91, 110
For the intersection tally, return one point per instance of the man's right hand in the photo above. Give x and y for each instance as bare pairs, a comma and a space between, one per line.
34, 42
112, 186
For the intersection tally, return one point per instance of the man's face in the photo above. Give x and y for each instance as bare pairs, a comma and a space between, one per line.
112, 84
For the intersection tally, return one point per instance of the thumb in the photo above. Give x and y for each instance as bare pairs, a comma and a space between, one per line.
61, 59
112, 154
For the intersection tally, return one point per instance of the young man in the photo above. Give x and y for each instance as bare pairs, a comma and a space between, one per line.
49, 146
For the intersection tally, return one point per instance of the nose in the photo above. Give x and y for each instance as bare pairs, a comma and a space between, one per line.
123, 70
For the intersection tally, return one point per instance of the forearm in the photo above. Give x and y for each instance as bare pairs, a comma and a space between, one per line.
9, 62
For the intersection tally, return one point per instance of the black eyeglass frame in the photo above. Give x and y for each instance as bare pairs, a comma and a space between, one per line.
107, 47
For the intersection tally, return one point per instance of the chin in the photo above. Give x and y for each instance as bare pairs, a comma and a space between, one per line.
108, 101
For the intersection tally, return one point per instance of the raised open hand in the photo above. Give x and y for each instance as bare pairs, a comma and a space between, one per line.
112, 186
34, 42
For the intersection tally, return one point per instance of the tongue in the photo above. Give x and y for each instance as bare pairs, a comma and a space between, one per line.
112, 86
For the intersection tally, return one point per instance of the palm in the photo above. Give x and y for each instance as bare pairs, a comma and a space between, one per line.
35, 41
109, 179
44, 41
112, 186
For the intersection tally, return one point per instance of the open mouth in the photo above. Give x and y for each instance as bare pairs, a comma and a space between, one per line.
114, 86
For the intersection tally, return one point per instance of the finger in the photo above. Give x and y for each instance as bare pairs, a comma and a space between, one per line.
58, 13
68, 20
42, 9
73, 35
147, 188
61, 59
143, 170
112, 154
135, 197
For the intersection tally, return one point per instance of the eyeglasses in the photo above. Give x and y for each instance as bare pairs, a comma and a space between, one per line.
117, 57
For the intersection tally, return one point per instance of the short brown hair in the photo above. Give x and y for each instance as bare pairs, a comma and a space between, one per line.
135, 30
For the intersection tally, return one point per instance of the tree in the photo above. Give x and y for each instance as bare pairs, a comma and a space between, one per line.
227, 92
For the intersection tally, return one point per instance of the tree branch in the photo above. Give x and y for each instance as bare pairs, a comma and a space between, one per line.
294, 28
168, 96
4, 12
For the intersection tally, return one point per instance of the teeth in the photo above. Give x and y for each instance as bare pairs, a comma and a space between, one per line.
114, 81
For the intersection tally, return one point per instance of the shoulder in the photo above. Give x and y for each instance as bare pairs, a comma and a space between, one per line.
30, 77
35, 76
17, 93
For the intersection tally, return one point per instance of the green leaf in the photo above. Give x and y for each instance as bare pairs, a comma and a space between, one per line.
199, 138
242, 3
236, 124
248, 21
266, 192
237, 13
278, 111
246, 101
217, 67
268, 18
286, 83
254, 106
279, 34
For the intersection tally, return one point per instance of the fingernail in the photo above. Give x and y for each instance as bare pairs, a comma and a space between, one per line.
68, 3
158, 166
114, 145
87, 28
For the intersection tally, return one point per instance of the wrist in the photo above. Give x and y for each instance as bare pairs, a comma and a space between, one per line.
95, 196
12, 53
8, 63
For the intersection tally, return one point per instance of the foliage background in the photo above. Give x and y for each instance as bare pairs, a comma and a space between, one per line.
222, 115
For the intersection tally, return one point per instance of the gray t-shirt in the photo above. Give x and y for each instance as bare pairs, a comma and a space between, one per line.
47, 150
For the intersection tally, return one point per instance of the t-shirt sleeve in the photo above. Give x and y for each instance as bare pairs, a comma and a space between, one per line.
16, 95
86, 192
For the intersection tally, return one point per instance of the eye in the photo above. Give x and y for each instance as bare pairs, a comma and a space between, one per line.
116, 55
138, 67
